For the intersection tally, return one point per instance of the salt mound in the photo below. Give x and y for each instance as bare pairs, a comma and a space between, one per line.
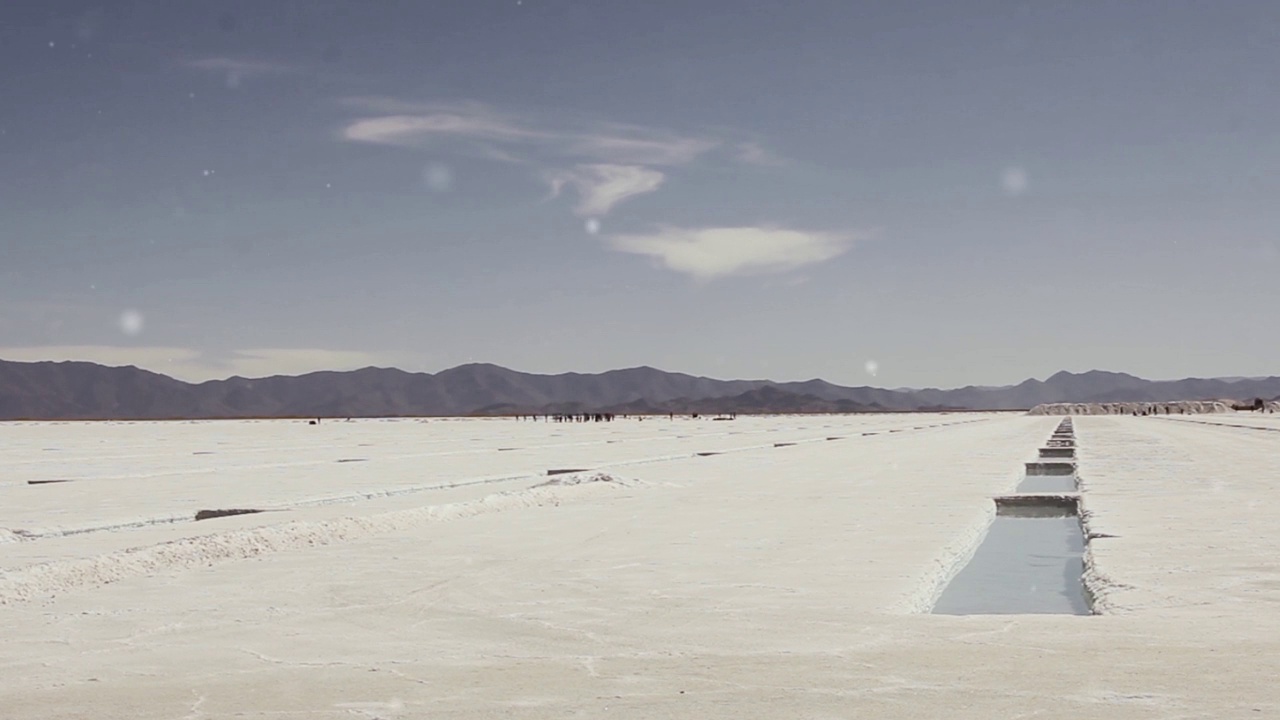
1177, 407
583, 479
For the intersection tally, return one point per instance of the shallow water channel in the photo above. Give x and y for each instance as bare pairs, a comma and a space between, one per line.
1048, 484
1030, 562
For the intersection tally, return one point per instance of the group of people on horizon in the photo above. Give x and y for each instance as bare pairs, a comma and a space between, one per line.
603, 417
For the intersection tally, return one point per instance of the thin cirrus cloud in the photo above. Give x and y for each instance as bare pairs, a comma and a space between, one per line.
712, 253
236, 70
752, 153
632, 144
192, 365
420, 130
600, 187
606, 162
428, 125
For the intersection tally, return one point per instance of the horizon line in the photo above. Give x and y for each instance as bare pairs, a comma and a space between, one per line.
905, 389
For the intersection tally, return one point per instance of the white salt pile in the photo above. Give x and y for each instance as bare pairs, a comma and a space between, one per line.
1179, 407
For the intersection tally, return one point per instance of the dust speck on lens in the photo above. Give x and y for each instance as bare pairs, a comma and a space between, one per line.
131, 322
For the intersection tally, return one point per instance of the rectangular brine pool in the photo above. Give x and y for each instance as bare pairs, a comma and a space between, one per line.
1051, 467
1049, 484
1030, 562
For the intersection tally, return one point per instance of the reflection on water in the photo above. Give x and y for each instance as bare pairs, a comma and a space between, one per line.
1048, 484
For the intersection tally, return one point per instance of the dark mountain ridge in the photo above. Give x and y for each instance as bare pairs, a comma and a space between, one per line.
83, 390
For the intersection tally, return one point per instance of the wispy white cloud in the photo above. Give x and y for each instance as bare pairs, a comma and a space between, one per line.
603, 162
428, 125
236, 70
637, 145
709, 253
420, 130
600, 187
261, 362
194, 366
241, 65
752, 153
390, 105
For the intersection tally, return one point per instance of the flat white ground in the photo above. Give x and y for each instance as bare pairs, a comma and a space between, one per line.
414, 569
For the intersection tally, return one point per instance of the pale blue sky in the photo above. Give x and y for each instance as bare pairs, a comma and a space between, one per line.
961, 192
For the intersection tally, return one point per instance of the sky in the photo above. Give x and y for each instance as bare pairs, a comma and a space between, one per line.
903, 194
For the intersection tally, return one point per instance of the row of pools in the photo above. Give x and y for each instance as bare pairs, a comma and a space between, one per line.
1031, 560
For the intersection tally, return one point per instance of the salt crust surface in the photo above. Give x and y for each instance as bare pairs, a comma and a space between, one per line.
761, 583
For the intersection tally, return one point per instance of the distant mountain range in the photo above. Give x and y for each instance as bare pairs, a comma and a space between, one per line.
82, 390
